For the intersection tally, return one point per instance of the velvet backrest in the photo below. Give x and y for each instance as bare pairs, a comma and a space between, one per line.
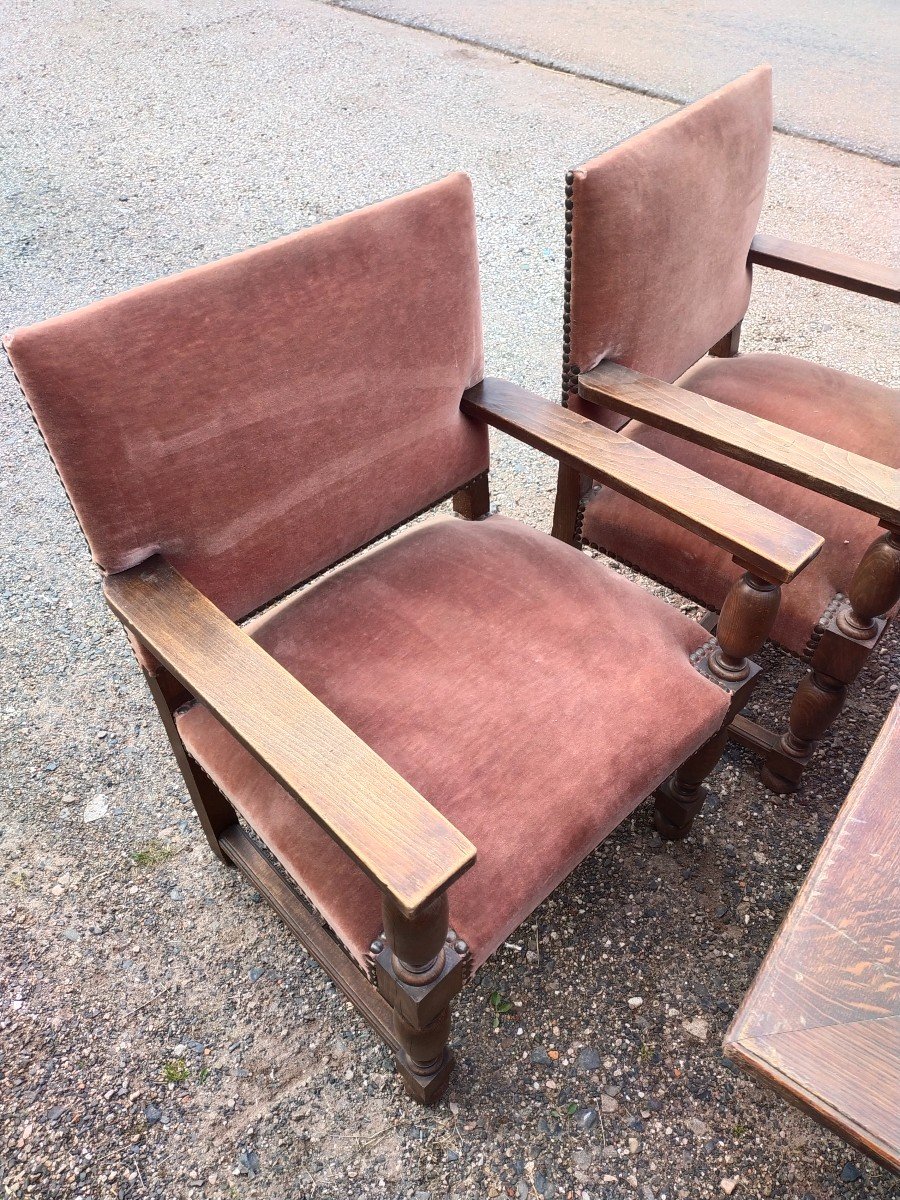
658, 232
257, 419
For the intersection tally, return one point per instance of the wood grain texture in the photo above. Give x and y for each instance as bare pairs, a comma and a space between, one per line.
840, 270
869, 486
404, 844
822, 1019
762, 541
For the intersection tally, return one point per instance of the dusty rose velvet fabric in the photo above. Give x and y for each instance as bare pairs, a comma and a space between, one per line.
846, 411
661, 228
531, 694
258, 418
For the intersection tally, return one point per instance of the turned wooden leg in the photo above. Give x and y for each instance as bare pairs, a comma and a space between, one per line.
816, 703
474, 500
420, 966
847, 639
746, 620
681, 797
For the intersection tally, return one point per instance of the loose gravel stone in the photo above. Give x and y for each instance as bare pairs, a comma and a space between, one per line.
588, 1059
586, 1118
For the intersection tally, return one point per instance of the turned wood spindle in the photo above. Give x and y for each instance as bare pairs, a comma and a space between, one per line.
417, 942
874, 588
816, 703
746, 620
418, 955
819, 698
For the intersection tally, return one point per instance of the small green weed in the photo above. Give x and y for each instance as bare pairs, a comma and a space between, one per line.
501, 1006
175, 1070
153, 854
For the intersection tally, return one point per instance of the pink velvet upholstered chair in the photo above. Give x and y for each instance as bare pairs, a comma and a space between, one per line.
660, 245
233, 432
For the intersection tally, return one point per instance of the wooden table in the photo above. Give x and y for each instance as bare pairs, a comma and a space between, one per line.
821, 1023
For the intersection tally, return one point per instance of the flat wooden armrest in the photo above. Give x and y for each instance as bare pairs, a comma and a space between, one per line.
402, 843
870, 486
760, 540
840, 270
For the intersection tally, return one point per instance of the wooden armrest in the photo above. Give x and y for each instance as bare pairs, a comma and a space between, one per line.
870, 486
840, 270
402, 843
760, 540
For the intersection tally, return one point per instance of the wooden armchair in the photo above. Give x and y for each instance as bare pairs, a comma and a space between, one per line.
229, 433
660, 245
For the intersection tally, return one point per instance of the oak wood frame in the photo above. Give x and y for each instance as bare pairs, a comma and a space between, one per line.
821, 1022
826, 266
419, 964
846, 634
407, 1007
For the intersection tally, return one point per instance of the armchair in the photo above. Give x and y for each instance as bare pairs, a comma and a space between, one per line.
380, 732
660, 247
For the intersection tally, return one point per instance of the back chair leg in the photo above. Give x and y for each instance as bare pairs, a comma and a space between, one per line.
729, 345
847, 636
571, 489
213, 809
473, 501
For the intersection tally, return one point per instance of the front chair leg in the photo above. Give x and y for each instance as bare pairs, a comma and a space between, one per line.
849, 636
420, 965
817, 702
681, 797
747, 617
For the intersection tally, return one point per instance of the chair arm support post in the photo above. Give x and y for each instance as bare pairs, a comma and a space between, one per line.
874, 588
419, 965
746, 620
417, 943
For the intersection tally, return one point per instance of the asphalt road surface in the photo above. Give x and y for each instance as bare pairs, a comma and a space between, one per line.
835, 61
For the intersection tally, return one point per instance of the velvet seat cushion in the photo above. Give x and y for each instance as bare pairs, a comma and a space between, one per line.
532, 695
840, 409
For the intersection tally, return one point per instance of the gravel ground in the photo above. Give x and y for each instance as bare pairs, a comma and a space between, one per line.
162, 1036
